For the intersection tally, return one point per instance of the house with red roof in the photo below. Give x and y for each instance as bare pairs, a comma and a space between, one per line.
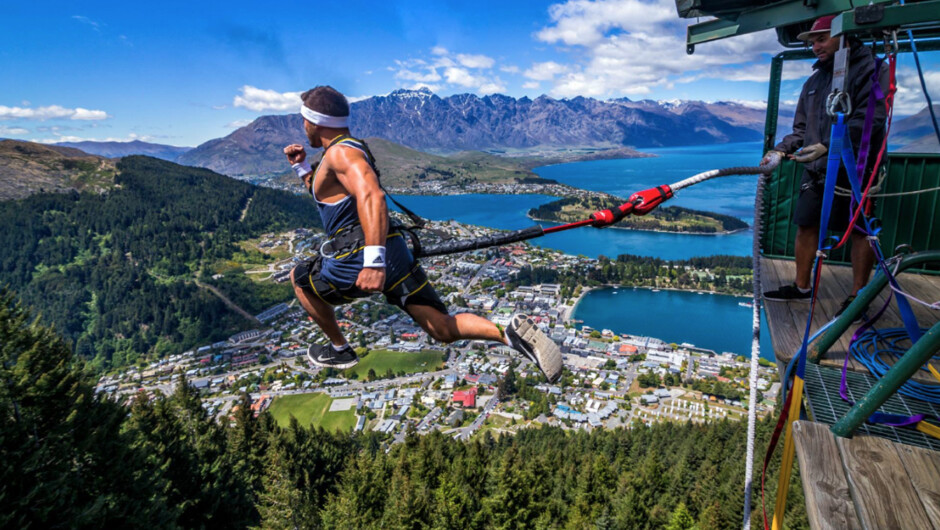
465, 398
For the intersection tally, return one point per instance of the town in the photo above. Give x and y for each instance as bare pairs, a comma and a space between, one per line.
405, 382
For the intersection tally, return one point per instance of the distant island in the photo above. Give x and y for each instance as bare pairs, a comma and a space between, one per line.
669, 219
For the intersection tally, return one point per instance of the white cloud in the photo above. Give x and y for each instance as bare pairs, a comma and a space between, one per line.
419, 86
9, 131
428, 76
51, 112
751, 104
585, 23
237, 124
475, 61
509, 69
545, 71
446, 70
631, 47
460, 76
259, 100
531, 85
85, 20
491, 88
909, 99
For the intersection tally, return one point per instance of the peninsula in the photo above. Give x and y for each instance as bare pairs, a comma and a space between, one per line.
669, 219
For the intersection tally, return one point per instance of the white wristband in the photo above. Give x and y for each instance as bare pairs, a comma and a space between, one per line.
373, 256
302, 168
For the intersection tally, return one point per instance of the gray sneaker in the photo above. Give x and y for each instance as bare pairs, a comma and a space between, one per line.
328, 357
528, 339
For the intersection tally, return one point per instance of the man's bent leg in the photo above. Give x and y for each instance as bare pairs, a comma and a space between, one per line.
522, 335
321, 312
447, 328
807, 242
863, 259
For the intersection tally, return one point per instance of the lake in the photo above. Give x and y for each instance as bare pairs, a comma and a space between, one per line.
728, 195
675, 316
640, 312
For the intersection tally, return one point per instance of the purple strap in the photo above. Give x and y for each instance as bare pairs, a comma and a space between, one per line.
865, 146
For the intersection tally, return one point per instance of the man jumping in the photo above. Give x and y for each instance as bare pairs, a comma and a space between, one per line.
365, 254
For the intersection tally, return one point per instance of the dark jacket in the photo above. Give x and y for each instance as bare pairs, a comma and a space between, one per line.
811, 124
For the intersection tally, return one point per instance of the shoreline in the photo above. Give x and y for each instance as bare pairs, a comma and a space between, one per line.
722, 233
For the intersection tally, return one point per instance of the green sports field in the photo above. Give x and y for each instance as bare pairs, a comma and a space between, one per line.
383, 360
312, 409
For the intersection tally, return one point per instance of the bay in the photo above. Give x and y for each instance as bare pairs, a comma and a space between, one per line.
728, 195
716, 322
508, 212
641, 311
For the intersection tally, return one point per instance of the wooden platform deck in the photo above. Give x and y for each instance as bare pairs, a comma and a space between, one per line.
865, 481
787, 320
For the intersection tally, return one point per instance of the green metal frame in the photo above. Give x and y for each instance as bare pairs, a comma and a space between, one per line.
764, 17
865, 297
904, 369
781, 15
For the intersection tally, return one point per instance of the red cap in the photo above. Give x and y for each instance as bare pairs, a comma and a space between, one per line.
822, 25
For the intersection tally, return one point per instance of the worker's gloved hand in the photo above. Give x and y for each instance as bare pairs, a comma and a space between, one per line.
810, 153
769, 157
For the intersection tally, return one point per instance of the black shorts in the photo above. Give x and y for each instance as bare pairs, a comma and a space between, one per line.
412, 289
809, 204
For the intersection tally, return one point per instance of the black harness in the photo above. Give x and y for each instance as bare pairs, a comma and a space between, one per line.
351, 239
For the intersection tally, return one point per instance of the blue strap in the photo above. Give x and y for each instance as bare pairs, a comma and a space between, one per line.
840, 131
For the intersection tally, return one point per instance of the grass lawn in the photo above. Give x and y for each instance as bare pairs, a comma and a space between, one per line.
383, 360
495, 421
312, 409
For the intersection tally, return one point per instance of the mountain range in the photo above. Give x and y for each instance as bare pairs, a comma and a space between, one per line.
424, 121
135, 147
915, 133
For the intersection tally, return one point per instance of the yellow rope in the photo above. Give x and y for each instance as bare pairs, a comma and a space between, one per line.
789, 449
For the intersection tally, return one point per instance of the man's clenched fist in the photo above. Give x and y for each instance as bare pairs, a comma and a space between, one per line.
295, 153
371, 280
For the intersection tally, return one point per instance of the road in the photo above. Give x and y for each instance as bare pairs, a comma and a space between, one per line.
225, 300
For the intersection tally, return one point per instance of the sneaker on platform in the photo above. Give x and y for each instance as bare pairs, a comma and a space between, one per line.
788, 293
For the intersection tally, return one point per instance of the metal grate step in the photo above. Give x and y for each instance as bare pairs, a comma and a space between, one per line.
825, 405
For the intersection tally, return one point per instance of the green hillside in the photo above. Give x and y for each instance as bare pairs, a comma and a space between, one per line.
27, 168
402, 167
114, 272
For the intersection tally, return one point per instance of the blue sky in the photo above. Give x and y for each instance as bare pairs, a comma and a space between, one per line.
182, 73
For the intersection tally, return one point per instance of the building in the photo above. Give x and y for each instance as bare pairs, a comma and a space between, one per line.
465, 398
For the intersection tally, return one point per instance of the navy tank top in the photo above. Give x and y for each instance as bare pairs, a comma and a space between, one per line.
343, 213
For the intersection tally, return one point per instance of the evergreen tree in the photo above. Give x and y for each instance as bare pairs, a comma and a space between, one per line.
681, 519
66, 462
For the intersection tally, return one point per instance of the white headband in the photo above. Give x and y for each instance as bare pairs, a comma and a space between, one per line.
314, 117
